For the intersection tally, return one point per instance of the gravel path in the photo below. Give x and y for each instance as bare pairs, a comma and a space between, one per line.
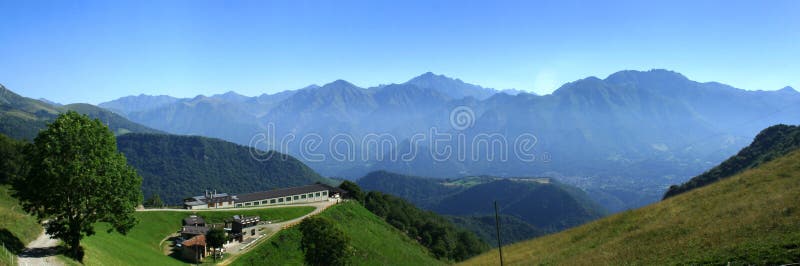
40, 251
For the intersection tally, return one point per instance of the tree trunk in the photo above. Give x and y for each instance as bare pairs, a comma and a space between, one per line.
75, 249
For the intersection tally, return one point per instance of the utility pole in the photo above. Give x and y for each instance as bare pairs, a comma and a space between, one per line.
497, 225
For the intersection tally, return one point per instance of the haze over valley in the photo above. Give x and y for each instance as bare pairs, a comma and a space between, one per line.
332, 133
621, 138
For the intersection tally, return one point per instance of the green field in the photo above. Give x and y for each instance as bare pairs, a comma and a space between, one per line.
17, 228
750, 218
375, 242
142, 245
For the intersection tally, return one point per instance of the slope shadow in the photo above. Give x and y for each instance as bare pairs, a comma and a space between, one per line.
40, 252
11, 242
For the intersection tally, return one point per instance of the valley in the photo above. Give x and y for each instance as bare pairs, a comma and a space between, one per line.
422, 209
333, 133
575, 134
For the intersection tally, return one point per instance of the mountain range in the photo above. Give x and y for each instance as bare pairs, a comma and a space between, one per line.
22, 117
172, 166
624, 138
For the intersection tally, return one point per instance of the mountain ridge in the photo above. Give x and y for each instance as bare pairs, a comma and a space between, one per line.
627, 137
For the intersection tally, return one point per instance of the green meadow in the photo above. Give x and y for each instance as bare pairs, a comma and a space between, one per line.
17, 228
145, 243
750, 218
374, 242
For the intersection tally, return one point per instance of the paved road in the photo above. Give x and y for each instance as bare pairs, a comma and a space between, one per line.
41, 251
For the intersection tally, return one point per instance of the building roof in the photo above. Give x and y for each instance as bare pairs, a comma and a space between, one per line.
193, 220
208, 198
277, 193
194, 203
219, 198
198, 240
194, 230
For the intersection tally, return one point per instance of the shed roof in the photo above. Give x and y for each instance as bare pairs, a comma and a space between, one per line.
194, 230
193, 220
198, 240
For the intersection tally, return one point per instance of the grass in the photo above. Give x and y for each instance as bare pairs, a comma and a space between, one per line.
375, 242
17, 228
142, 245
751, 218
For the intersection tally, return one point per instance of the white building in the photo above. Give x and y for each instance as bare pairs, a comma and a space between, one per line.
293, 195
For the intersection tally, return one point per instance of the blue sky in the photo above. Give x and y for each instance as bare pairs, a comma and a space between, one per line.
87, 51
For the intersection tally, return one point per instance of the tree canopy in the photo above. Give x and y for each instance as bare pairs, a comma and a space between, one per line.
353, 190
11, 159
215, 238
323, 243
77, 178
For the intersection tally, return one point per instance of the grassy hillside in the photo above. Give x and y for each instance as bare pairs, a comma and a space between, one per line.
422, 191
177, 167
749, 218
541, 202
512, 229
771, 143
17, 228
375, 242
142, 245
549, 206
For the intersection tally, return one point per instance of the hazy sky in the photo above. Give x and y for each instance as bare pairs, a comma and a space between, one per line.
77, 51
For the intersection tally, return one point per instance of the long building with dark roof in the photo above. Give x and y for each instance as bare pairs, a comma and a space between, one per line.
292, 195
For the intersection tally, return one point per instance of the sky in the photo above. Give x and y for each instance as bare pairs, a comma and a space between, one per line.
96, 51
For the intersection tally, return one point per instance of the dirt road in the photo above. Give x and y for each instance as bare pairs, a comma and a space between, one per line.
41, 251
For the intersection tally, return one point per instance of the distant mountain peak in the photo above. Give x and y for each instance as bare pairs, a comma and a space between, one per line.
629, 75
433, 77
788, 89
339, 83
452, 87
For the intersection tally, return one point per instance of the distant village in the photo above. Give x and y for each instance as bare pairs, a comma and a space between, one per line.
240, 230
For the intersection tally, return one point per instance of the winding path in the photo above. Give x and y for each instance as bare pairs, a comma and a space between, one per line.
41, 251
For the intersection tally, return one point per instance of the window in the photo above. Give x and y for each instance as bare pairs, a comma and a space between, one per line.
303, 196
272, 201
238, 205
280, 200
316, 194
264, 202
247, 204
255, 203
324, 193
310, 195
288, 198
296, 197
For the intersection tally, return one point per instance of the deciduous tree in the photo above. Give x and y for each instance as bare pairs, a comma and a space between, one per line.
78, 178
323, 243
215, 238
